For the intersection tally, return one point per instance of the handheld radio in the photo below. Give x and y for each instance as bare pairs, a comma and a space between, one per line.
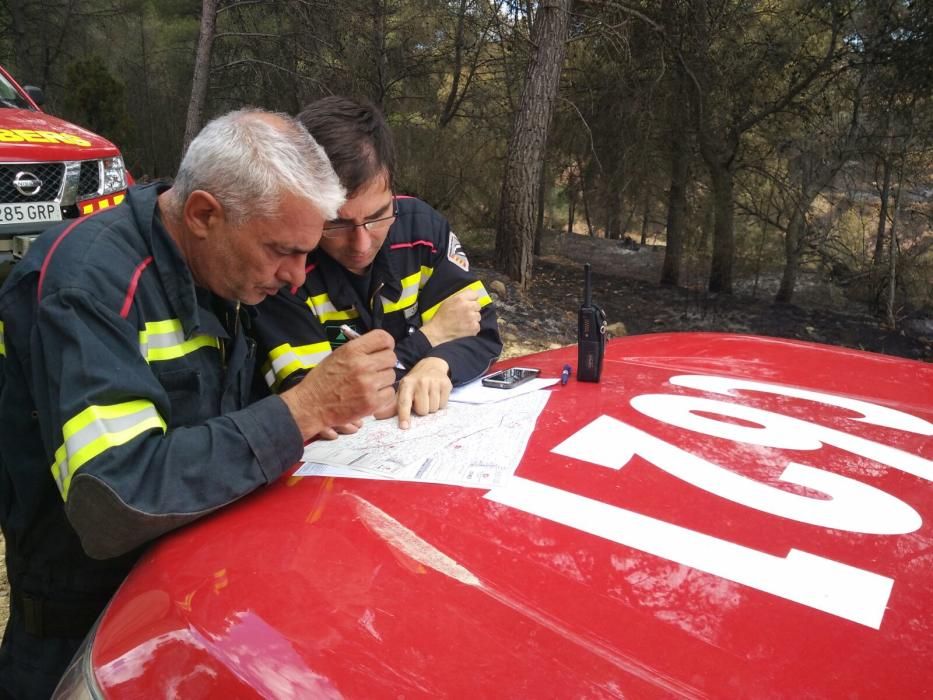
591, 335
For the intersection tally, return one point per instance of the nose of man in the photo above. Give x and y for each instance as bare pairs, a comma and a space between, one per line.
292, 270
360, 240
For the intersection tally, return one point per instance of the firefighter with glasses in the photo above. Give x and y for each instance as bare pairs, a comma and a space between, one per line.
385, 261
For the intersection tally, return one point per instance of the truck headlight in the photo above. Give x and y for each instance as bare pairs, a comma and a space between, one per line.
114, 179
78, 682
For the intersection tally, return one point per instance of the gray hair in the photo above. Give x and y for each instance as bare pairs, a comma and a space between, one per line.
248, 159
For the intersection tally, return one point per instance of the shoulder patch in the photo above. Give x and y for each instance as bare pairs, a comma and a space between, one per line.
455, 253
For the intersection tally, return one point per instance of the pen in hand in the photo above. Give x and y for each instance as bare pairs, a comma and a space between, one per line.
349, 332
353, 335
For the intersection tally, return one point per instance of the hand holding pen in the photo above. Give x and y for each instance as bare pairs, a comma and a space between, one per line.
346, 386
353, 335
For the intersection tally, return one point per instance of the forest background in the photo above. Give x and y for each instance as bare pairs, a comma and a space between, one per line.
746, 136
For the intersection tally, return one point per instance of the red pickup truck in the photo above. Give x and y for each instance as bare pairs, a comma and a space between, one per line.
50, 169
721, 516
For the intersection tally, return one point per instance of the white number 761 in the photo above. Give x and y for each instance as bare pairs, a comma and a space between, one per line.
833, 587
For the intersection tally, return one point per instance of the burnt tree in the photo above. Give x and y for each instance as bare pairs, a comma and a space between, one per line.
202, 70
521, 185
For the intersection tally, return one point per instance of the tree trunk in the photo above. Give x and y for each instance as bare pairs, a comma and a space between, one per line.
614, 197
809, 176
628, 222
761, 241
571, 207
646, 217
883, 215
202, 72
620, 219
892, 254
586, 209
720, 273
701, 242
150, 147
792, 239
378, 43
677, 196
539, 219
613, 216
524, 160
453, 97
758, 254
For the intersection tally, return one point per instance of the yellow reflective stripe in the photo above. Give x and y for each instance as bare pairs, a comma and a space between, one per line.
410, 287
167, 326
322, 307
286, 359
426, 273
165, 340
184, 348
2, 343
483, 300
93, 414
97, 429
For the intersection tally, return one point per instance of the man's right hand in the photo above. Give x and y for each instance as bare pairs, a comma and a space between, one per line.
352, 382
457, 317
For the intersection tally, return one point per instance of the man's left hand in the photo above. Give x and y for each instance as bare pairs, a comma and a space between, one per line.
338, 430
424, 389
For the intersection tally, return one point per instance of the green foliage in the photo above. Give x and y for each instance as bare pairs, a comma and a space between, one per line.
96, 99
449, 76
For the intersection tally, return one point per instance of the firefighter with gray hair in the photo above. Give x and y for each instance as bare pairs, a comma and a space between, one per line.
126, 406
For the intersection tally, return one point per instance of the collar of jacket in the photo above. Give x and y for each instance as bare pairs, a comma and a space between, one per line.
168, 263
338, 285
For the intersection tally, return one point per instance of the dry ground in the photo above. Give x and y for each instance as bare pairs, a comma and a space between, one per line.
624, 284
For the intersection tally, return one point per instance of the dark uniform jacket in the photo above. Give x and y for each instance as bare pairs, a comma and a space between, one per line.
419, 266
124, 394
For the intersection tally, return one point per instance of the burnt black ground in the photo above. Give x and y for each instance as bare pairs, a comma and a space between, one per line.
624, 284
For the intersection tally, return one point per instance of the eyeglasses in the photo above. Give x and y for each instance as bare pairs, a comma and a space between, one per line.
372, 226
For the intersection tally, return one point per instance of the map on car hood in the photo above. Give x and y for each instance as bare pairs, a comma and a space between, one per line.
474, 445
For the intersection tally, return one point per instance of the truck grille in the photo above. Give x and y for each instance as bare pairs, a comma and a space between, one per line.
49, 173
89, 179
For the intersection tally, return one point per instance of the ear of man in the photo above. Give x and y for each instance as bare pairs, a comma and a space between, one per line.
202, 214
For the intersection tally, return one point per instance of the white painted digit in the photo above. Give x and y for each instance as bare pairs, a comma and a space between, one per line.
852, 505
838, 589
870, 412
833, 587
776, 430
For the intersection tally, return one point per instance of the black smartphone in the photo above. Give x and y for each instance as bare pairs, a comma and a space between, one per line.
510, 378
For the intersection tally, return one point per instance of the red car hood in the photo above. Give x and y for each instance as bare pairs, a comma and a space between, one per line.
721, 516
22, 138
